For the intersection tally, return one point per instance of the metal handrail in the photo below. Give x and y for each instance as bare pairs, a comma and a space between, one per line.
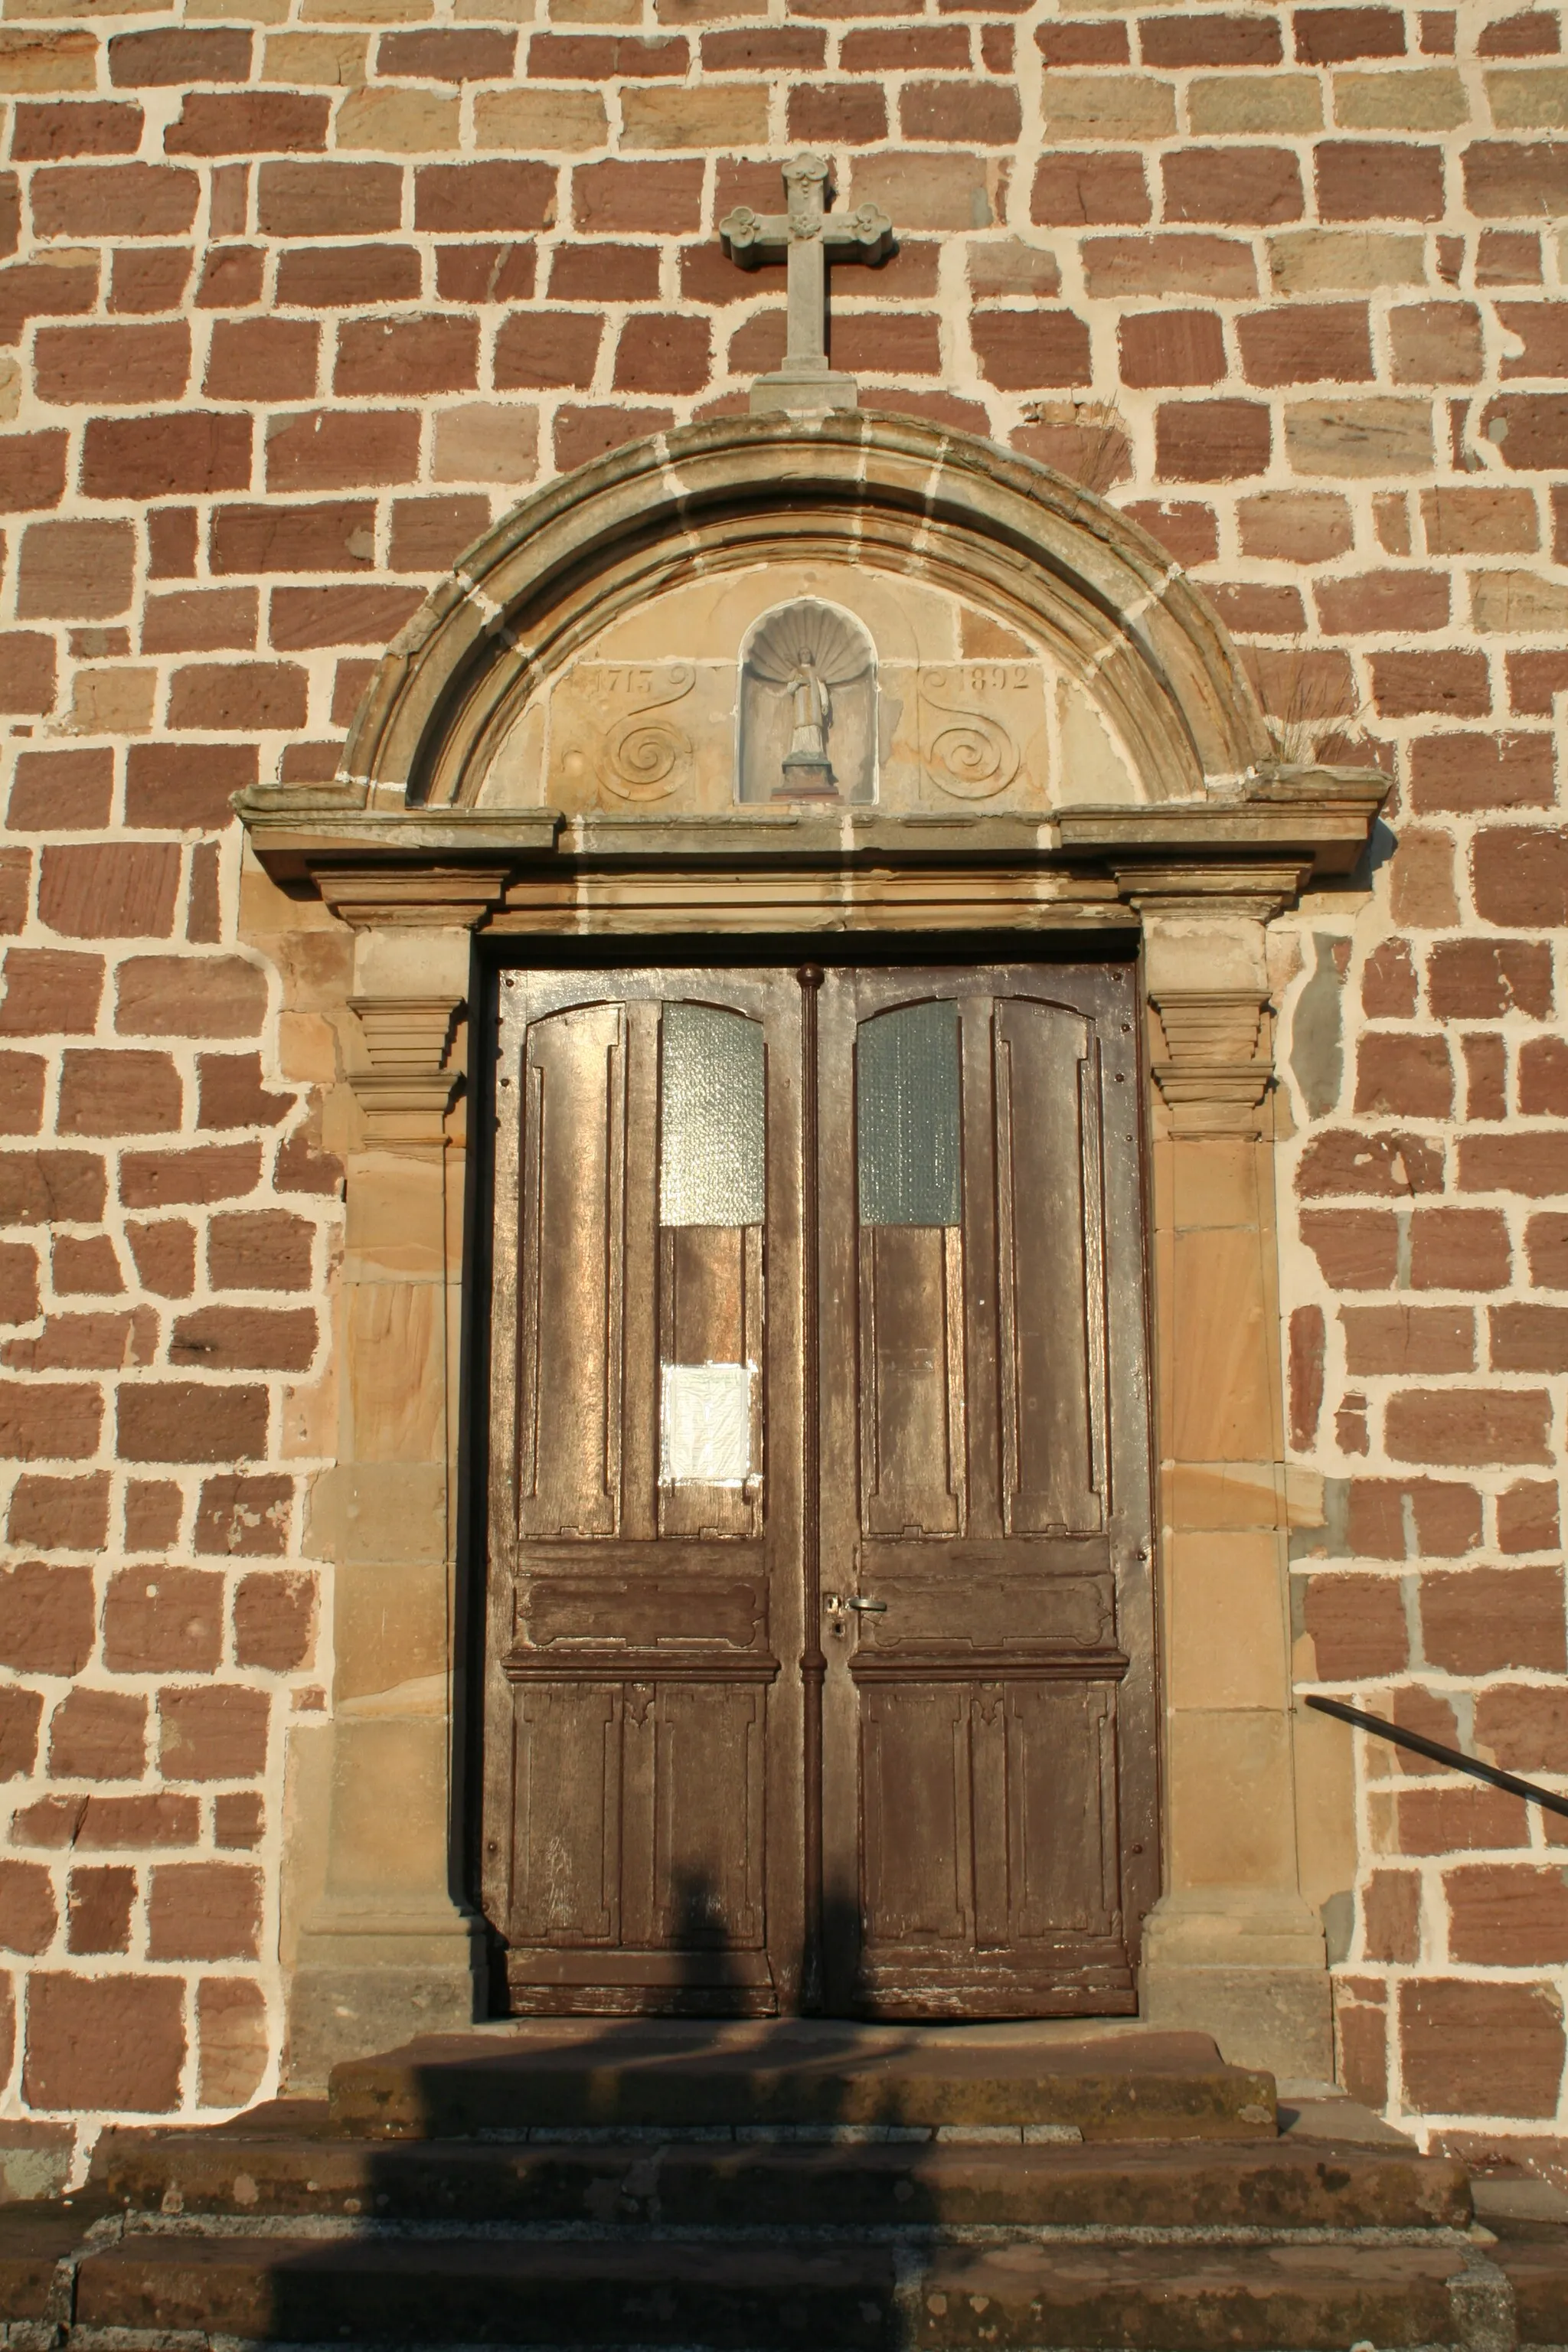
1435, 1749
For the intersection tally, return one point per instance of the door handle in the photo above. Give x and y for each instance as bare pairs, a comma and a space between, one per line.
868, 1608
838, 1607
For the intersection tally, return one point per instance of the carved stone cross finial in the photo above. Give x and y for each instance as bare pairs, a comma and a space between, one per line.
806, 238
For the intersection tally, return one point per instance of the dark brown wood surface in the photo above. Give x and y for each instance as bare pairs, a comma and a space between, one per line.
713, 1781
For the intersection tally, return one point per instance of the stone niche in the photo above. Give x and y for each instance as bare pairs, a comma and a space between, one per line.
689, 705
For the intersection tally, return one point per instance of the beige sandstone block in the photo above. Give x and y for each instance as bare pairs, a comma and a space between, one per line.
680, 117
47, 61
382, 1512
1347, 261
1534, 100
1430, 99
1325, 1806
250, 12
1108, 106
1223, 1338
395, 1218
1203, 1494
310, 1418
541, 121
316, 60
592, 12
1518, 603
1228, 1774
394, 1350
1214, 1183
1262, 103
367, 11
389, 1819
487, 441
499, 12
390, 1638
1346, 438
397, 122
307, 1048
112, 701
1227, 1618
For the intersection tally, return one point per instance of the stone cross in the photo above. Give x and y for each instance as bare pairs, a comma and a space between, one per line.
804, 237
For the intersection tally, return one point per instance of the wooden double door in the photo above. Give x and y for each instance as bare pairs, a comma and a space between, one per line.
820, 1666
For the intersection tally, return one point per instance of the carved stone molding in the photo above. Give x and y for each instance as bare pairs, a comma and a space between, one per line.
407, 1090
1215, 1079
1199, 891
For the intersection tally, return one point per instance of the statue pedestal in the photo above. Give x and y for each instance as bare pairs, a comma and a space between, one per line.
806, 778
804, 391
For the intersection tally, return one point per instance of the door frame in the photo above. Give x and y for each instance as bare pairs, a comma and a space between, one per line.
368, 901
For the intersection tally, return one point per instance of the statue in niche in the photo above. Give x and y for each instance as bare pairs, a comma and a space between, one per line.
808, 707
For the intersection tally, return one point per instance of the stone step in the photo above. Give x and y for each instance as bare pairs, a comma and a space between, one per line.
1133, 2084
1175, 2297
33, 2241
1272, 2184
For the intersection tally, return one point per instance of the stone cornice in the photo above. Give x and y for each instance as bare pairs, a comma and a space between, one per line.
448, 868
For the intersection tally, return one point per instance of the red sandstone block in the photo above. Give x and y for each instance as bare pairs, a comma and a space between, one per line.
1338, 1161
214, 1171
1357, 1626
21, 1093
118, 1093
1480, 1621
347, 276
1307, 342
495, 272
98, 1736
1375, 179
547, 350
27, 671
165, 1256
1529, 1337
966, 114
1445, 1820
1534, 680
1263, 608
1211, 440
212, 1735
1437, 342
262, 359
1532, 35
99, 1903
18, 1286
199, 620
183, 787
1458, 685
268, 1250
1185, 528
664, 352
246, 1339
476, 53
328, 450
604, 273
39, 1187
328, 199
58, 1514
1256, 186
171, 543
32, 470
1381, 604
605, 57
1106, 187
109, 2042
1517, 179
231, 1093
27, 1913
428, 534
1406, 1339
76, 571
110, 890
50, 988
189, 996
48, 1622
275, 1620
203, 1911
456, 198
238, 695
1020, 350
85, 1343
61, 791
231, 277
1546, 1243
1329, 36
335, 536
245, 1518
1460, 1427
400, 356
355, 614
32, 289
583, 433
1507, 1915
1463, 772
611, 198
170, 57
1209, 40
1410, 1077
113, 200
1484, 978
85, 1264
249, 122
48, 1420
1543, 1078
44, 133
1524, 1725
1531, 1162
1528, 1518
196, 452
149, 277
191, 1420
896, 48
1459, 1249
1531, 429
838, 113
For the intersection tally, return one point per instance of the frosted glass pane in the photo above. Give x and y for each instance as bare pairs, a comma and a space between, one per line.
711, 1163
705, 1436
906, 1093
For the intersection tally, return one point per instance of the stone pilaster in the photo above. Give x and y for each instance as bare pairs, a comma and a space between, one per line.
386, 1947
1231, 1947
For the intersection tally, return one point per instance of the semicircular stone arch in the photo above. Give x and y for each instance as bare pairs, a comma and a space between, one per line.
585, 653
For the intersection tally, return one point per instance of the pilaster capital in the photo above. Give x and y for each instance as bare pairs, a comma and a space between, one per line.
405, 1093
1218, 1067
1182, 892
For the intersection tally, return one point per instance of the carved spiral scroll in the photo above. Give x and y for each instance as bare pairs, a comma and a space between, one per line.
642, 752
968, 754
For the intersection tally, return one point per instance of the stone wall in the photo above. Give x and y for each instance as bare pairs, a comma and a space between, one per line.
301, 293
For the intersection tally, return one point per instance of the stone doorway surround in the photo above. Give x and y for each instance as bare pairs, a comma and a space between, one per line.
431, 878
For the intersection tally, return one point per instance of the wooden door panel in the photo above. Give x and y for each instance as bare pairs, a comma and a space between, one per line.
648, 1163
1061, 1809
916, 1862
572, 1217
912, 1289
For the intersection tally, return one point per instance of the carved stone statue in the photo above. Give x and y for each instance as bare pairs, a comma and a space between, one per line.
808, 700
